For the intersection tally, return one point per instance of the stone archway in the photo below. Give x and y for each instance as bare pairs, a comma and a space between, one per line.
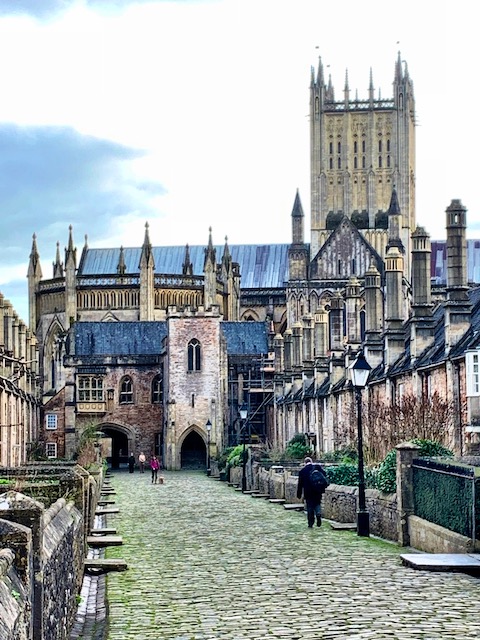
193, 453
121, 444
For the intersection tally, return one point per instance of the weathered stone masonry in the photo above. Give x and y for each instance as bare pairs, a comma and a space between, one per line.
41, 564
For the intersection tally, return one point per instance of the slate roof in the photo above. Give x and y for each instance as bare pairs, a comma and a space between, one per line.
261, 266
435, 354
245, 338
146, 338
119, 338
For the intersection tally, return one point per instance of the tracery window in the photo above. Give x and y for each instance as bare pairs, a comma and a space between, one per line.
194, 355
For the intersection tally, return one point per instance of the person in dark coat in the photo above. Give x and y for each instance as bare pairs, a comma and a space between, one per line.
131, 463
311, 495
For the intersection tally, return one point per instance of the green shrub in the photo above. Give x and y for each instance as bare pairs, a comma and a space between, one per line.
235, 457
387, 471
345, 474
432, 449
297, 447
222, 458
346, 455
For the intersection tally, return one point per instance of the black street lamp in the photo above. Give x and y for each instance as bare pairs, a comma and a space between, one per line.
360, 370
208, 427
243, 411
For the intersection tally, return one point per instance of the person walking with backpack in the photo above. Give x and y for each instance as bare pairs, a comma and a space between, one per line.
312, 482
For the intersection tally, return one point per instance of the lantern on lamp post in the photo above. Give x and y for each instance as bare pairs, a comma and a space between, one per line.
360, 370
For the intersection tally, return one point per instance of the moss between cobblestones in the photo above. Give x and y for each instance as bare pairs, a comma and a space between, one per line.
208, 563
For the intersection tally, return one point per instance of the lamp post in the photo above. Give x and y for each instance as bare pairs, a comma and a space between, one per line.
208, 427
360, 370
243, 411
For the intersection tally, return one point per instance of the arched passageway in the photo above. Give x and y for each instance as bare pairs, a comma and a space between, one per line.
194, 452
119, 447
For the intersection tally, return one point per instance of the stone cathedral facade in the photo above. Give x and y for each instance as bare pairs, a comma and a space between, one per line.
160, 346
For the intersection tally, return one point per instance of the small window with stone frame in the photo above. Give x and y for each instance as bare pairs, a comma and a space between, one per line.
126, 390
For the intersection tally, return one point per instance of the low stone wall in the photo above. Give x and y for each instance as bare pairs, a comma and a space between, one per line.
432, 538
63, 546
391, 516
15, 621
41, 564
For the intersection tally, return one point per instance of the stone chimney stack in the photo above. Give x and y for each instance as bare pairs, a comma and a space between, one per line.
394, 306
421, 326
352, 312
373, 316
321, 344
337, 306
457, 306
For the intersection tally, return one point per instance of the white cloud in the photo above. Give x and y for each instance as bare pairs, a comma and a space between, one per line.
216, 94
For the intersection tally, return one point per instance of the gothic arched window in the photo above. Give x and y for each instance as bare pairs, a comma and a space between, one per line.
194, 355
126, 390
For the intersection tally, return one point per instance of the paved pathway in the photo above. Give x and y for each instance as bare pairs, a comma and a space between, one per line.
208, 563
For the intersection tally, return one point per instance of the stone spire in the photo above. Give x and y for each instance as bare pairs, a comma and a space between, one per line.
147, 279
34, 275
70, 280
394, 223
187, 266
210, 273
58, 264
121, 266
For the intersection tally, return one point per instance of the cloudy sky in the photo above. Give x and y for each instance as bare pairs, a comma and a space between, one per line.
194, 113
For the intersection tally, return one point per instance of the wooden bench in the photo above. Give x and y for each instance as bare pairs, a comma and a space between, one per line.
104, 541
95, 566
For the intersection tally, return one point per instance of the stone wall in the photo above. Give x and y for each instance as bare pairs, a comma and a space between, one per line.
41, 563
432, 538
15, 590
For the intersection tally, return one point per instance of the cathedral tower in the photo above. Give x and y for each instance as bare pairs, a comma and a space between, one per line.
360, 150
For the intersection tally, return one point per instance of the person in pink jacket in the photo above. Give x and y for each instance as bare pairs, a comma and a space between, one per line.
155, 466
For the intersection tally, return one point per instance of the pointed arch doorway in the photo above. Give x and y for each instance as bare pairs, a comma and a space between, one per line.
193, 454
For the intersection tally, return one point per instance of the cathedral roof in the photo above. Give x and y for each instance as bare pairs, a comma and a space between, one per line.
261, 266
245, 338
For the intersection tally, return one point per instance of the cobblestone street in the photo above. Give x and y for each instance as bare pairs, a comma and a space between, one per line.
209, 563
